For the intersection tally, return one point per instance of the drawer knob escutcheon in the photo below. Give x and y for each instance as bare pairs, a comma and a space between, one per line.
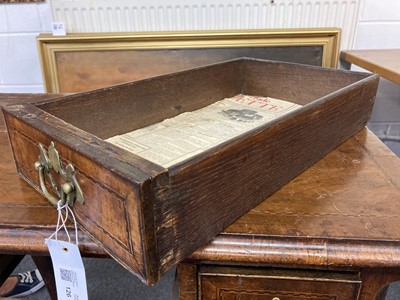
69, 191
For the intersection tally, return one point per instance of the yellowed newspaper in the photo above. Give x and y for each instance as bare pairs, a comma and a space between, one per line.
182, 137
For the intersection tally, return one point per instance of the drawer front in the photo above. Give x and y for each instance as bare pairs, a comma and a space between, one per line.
111, 214
265, 284
274, 295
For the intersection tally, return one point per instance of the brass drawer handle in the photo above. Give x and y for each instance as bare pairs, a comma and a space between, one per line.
70, 190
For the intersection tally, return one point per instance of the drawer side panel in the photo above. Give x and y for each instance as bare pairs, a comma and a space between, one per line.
207, 196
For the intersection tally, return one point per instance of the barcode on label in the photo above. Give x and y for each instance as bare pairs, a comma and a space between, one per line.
68, 275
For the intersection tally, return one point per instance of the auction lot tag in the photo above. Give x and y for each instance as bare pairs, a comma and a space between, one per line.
69, 271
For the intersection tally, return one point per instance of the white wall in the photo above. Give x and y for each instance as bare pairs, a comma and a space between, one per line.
378, 27
181, 15
19, 62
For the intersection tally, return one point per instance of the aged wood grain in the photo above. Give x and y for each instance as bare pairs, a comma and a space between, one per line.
299, 84
258, 163
10, 98
150, 218
217, 283
187, 275
114, 110
331, 208
343, 211
350, 221
26, 218
105, 211
376, 281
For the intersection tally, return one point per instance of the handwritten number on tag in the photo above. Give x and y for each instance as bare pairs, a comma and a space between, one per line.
68, 292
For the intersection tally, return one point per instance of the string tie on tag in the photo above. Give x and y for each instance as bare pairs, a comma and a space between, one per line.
62, 222
69, 271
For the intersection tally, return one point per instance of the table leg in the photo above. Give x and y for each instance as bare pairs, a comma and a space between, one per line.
187, 281
344, 65
45, 267
7, 265
375, 282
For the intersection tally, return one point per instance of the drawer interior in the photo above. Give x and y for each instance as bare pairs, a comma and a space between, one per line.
123, 108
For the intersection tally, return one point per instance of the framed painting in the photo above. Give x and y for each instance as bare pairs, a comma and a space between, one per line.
79, 62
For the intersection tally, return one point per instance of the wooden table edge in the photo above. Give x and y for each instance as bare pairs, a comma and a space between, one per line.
299, 251
20, 240
351, 56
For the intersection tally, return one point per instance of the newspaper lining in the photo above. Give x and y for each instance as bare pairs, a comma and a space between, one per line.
174, 140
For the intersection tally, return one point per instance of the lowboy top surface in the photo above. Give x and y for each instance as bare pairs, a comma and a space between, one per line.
344, 208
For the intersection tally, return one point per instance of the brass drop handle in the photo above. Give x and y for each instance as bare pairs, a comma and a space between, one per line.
52, 199
70, 191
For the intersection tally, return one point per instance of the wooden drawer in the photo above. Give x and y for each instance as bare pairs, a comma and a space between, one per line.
151, 217
262, 284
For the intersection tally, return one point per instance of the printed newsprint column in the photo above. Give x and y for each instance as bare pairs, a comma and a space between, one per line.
177, 139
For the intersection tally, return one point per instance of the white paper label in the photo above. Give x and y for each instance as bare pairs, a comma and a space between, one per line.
58, 28
69, 271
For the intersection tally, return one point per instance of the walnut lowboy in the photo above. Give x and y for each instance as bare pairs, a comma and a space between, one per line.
149, 218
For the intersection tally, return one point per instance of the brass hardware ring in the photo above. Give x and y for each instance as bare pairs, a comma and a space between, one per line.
53, 200
70, 191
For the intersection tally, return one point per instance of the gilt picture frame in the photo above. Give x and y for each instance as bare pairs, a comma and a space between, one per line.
85, 61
